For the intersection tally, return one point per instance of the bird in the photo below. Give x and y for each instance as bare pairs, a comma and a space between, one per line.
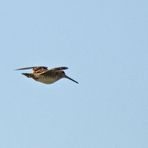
47, 76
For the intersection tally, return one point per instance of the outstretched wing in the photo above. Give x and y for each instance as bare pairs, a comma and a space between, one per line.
33, 67
53, 71
58, 68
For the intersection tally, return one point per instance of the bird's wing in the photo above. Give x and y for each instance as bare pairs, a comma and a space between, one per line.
33, 67
59, 68
53, 71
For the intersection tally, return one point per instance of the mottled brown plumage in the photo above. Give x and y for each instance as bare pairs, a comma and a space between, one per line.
45, 75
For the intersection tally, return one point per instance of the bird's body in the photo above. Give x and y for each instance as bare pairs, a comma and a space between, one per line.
47, 79
47, 76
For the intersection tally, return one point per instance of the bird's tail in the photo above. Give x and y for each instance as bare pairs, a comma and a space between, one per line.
29, 75
71, 79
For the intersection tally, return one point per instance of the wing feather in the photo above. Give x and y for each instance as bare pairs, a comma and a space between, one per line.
25, 68
53, 71
59, 68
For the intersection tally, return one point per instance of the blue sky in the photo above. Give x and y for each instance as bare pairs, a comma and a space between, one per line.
105, 46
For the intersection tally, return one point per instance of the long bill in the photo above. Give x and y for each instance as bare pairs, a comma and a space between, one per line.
71, 79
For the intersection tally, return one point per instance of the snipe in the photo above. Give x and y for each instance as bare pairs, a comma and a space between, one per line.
44, 75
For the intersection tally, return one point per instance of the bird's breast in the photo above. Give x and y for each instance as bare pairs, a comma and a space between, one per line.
47, 80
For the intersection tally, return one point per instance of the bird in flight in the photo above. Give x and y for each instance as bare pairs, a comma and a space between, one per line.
47, 76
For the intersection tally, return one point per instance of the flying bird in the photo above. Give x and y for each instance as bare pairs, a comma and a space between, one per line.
47, 76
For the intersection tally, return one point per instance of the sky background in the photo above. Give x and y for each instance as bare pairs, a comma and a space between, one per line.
105, 45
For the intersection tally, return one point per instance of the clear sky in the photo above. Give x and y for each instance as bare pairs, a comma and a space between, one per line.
105, 45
